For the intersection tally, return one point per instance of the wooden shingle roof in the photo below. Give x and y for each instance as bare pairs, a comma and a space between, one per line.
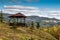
20, 15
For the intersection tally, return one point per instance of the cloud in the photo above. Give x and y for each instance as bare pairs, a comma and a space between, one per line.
23, 9
19, 7
27, 10
51, 13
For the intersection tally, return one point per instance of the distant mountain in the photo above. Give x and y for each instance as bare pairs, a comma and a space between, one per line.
44, 21
37, 18
6, 16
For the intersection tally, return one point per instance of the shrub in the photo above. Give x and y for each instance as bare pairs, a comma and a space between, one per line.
32, 26
14, 25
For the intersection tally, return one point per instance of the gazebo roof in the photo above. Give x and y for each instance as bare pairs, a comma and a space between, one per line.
18, 15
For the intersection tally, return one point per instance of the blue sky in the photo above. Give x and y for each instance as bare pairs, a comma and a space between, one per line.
45, 8
35, 3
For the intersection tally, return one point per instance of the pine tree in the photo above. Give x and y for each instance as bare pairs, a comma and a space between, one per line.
1, 16
32, 26
38, 24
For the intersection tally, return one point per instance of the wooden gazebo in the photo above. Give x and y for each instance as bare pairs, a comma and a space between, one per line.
20, 19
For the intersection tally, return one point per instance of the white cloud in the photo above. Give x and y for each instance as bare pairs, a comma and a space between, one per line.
52, 13
19, 7
23, 9
27, 10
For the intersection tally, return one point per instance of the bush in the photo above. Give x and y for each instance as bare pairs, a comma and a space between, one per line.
32, 26
14, 25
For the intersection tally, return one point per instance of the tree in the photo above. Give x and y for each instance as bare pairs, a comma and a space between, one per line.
38, 24
32, 26
1, 16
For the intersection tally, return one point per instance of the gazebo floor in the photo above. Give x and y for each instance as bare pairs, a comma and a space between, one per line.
18, 24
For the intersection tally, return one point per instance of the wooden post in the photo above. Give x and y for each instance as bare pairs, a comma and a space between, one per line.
9, 21
20, 20
17, 20
24, 21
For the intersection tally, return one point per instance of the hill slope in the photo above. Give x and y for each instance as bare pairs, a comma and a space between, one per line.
22, 33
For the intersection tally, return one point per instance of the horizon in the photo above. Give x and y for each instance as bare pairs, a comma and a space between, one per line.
46, 8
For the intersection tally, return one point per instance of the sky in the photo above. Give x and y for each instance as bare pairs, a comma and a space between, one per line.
36, 3
45, 8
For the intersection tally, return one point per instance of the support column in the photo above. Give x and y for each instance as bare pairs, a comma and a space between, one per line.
20, 20
9, 21
24, 21
17, 20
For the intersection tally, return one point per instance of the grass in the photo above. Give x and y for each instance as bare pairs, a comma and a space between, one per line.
53, 31
23, 33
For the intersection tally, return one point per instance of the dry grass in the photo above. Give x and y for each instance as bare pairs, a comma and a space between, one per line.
53, 31
23, 33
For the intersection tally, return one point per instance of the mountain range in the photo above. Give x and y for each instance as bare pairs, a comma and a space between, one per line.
44, 21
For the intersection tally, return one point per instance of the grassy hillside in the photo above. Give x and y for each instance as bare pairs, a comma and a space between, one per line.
23, 33
54, 31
